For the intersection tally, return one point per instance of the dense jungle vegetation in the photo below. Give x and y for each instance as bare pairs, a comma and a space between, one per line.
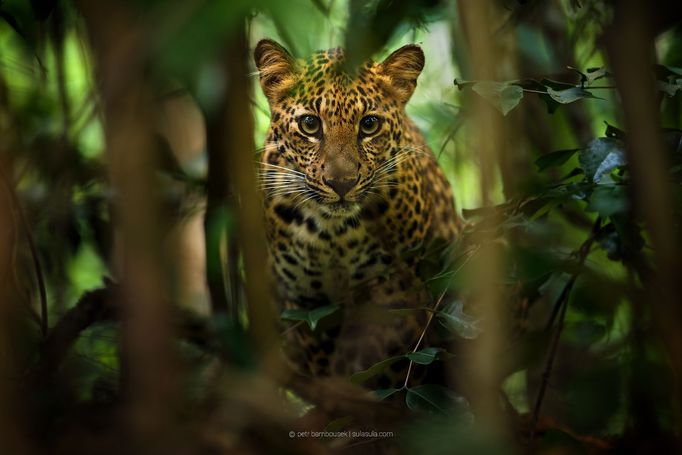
135, 312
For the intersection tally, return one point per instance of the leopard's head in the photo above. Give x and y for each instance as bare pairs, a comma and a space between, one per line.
335, 134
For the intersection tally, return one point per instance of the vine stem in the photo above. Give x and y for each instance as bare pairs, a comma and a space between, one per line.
421, 337
560, 308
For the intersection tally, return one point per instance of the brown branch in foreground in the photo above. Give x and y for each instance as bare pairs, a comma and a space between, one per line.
482, 368
120, 46
93, 307
630, 48
44, 323
334, 397
12, 435
217, 194
560, 308
238, 141
98, 306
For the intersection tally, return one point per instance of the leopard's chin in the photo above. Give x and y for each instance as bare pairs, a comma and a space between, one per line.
341, 209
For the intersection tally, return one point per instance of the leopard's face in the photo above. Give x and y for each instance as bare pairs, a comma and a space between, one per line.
339, 136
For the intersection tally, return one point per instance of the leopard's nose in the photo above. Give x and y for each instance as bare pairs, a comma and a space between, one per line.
341, 186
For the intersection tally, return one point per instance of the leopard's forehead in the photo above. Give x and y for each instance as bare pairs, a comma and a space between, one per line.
331, 64
324, 85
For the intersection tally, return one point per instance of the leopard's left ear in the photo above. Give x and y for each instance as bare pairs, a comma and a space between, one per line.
276, 67
401, 70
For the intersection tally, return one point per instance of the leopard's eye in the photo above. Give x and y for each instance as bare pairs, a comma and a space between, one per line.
309, 124
369, 125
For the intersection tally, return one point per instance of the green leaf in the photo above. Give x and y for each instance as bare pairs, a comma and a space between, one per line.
382, 394
594, 74
569, 95
427, 356
364, 375
435, 399
553, 159
455, 320
503, 95
608, 200
601, 156
669, 88
312, 317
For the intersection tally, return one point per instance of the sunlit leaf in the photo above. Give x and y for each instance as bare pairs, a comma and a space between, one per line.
668, 88
594, 74
601, 156
503, 95
569, 95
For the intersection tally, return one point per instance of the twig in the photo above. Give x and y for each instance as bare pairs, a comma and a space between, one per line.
421, 337
560, 308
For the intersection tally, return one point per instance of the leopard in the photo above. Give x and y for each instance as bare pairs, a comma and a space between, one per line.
352, 197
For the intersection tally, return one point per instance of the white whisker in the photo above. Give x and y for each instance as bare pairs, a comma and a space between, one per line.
282, 168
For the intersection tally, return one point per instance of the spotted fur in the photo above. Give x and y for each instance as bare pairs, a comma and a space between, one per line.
347, 212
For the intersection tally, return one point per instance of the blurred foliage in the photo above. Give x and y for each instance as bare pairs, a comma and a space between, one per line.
577, 255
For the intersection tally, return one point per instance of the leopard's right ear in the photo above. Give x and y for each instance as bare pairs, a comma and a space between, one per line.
276, 67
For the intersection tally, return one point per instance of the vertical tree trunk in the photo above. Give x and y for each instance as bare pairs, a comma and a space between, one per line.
241, 165
487, 133
630, 47
12, 436
149, 367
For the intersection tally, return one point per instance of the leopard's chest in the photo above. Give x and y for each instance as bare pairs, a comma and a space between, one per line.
321, 261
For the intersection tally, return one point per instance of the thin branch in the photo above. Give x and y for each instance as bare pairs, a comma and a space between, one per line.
421, 337
560, 308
